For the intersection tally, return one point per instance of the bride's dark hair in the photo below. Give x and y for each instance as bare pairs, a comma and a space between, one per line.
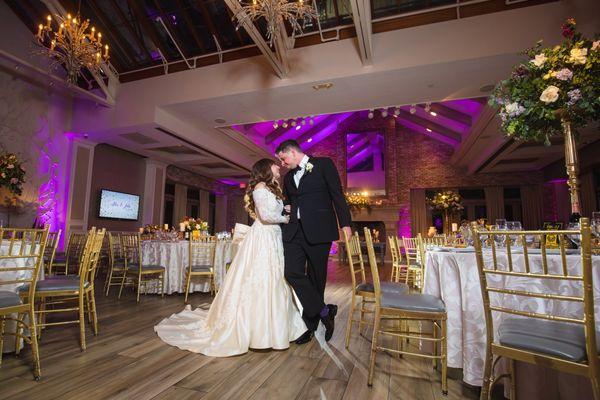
261, 173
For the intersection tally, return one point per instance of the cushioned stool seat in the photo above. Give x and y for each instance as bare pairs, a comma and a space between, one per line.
558, 339
386, 287
412, 302
9, 299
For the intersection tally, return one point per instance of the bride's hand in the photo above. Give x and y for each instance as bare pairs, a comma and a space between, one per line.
288, 208
287, 219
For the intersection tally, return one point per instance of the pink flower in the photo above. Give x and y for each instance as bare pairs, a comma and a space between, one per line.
14, 181
10, 166
564, 74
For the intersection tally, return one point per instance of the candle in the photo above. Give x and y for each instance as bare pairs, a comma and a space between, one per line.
93, 33
166, 227
62, 26
454, 227
141, 230
181, 227
48, 19
52, 44
106, 51
99, 38
40, 27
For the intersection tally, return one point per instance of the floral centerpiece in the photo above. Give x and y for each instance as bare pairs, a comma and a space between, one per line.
193, 226
447, 201
554, 90
358, 201
12, 174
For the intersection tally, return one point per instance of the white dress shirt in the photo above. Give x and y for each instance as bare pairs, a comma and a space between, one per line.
298, 175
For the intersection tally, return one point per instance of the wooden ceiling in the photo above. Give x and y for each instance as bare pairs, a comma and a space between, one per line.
146, 34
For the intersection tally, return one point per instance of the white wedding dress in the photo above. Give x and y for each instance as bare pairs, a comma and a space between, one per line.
254, 307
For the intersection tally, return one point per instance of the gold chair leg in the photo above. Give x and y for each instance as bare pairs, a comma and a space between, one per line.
162, 285
2, 326
487, 375
35, 352
139, 288
108, 281
94, 312
18, 334
398, 338
376, 324
122, 284
350, 316
187, 287
82, 321
513, 382
361, 323
444, 356
435, 345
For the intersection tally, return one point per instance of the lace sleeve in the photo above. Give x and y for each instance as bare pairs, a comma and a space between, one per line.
267, 207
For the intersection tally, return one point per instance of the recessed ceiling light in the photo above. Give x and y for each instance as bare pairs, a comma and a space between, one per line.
220, 121
309, 140
321, 86
433, 113
428, 130
298, 127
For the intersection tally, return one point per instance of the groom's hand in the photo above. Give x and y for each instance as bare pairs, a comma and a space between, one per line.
348, 231
288, 209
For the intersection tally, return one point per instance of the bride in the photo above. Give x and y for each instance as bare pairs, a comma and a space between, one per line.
254, 307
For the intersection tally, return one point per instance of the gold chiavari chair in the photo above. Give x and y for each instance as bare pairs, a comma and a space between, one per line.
71, 259
50, 251
406, 307
437, 240
116, 262
62, 291
548, 339
21, 257
399, 271
201, 263
140, 274
363, 289
413, 248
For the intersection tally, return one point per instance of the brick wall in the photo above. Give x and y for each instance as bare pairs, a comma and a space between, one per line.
414, 161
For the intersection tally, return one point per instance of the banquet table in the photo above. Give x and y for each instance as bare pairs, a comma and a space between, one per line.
9, 342
452, 275
174, 256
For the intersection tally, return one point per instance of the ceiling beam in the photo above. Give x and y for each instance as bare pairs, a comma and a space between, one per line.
361, 14
427, 124
125, 21
433, 135
175, 34
147, 27
450, 113
276, 134
317, 128
278, 64
358, 149
189, 24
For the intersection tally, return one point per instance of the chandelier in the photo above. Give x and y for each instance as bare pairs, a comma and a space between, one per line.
73, 45
275, 12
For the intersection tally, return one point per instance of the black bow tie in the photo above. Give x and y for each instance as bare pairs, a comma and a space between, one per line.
296, 170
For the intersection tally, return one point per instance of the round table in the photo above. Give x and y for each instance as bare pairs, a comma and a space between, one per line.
174, 256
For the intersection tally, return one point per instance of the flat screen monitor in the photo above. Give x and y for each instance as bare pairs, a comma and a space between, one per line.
119, 205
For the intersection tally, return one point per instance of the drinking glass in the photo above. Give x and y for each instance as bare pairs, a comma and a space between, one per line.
499, 239
501, 224
595, 224
576, 239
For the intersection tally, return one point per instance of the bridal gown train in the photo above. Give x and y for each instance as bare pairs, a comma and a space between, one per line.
254, 307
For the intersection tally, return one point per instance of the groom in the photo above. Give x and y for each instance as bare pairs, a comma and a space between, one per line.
314, 193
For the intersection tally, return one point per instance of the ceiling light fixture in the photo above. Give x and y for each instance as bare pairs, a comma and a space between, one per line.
413, 108
428, 106
311, 121
303, 122
293, 122
396, 111
370, 115
428, 130
285, 124
433, 113
275, 125
298, 127
384, 112
309, 140
325, 86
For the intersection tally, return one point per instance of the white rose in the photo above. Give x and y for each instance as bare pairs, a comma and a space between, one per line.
595, 44
309, 167
550, 95
578, 56
512, 107
539, 60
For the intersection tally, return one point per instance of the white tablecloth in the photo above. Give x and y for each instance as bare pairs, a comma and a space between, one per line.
10, 326
453, 276
174, 256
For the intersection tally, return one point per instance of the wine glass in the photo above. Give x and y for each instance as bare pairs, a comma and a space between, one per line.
501, 224
499, 239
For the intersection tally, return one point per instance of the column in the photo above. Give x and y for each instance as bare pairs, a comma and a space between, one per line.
204, 200
221, 213
180, 203
154, 193
81, 159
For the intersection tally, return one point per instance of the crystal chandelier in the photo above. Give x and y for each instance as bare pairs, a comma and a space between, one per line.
275, 12
73, 45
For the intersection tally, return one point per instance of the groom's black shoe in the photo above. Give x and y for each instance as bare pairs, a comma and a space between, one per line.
305, 338
329, 321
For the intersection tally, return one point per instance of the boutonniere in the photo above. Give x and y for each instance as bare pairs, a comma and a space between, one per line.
308, 167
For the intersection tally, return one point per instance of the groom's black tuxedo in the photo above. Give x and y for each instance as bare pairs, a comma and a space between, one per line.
307, 241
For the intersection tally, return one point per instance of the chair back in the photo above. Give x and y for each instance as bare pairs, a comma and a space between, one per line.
556, 277
411, 249
77, 242
437, 240
373, 265
131, 246
94, 252
115, 249
21, 257
51, 245
355, 258
394, 251
202, 252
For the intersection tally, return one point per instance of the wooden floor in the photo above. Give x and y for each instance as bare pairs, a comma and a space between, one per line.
128, 361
